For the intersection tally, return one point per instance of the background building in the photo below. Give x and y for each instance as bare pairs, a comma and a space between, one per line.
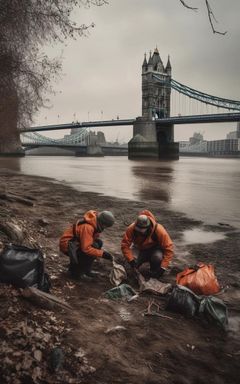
229, 147
234, 134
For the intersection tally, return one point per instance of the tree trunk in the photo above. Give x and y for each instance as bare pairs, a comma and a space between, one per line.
9, 134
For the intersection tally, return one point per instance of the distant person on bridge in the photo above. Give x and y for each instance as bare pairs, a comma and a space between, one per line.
82, 244
145, 240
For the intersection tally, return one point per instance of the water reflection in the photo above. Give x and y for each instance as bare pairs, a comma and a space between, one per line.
205, 189
197, 235
156, 180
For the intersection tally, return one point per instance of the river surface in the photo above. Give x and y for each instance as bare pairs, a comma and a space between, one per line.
203, 188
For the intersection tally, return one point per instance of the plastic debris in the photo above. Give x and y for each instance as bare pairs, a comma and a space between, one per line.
122, 291
117, 274
115, 329
214, 310
153, 285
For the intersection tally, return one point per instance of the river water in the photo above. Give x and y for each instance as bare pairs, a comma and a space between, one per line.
203, 188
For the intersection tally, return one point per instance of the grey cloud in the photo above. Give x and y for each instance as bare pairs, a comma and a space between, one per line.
103, 71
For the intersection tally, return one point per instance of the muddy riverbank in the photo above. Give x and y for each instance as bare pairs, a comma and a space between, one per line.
149, 350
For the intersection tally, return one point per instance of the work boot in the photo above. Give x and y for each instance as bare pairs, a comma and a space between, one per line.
92, 274
154, 274
157, 274
85, 277
73, 271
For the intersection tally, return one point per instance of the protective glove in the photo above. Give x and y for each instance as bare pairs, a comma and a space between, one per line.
107, 256
133, 264
161, 271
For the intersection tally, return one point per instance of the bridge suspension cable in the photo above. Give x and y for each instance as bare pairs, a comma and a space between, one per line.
201, 96
183, 105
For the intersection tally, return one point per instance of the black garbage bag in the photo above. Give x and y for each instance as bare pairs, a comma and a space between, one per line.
214, 310
23, 267
183, 300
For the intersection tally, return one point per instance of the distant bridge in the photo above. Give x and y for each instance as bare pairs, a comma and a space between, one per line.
77, 142
81, 149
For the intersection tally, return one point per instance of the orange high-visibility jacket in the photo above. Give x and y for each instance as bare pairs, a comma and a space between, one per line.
161, 238
86, 234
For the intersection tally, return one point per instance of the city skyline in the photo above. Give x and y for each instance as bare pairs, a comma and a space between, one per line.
102, 73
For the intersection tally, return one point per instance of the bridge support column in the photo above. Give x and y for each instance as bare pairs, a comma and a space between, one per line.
90, 150
152, 140
168, 149
144, 142
94, 150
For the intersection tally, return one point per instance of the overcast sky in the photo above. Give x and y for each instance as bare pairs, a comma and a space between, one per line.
102, 73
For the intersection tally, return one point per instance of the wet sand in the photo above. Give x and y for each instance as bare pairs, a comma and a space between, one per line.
151, 350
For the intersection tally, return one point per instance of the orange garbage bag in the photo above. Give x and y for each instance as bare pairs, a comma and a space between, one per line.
201, 280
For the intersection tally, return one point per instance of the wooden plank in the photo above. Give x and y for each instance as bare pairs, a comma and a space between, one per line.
43, 299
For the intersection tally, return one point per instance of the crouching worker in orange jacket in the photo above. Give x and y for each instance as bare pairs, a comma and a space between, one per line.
152, 242
82, 244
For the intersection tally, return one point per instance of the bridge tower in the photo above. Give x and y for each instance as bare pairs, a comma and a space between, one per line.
155, 94
151, 139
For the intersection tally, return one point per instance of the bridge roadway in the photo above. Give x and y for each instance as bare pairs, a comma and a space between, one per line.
210, 118
89, 124
217, 118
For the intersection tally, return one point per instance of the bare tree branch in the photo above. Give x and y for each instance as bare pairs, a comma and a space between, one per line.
187, 6
211, 17
25, 72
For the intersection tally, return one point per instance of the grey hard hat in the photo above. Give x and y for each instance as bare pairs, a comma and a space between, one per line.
105, 218
143, 222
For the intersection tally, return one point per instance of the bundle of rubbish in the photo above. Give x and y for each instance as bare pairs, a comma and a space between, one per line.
23, 267
118, 274
192, 295
186, 302
120, 292
200, 278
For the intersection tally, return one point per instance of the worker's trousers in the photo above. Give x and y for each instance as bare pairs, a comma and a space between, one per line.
153, 256
84, 262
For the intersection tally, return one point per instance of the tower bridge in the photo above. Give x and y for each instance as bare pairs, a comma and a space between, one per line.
153, 131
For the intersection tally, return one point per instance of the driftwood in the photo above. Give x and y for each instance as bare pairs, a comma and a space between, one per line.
151, 312
12, 231
11, 197
43, 299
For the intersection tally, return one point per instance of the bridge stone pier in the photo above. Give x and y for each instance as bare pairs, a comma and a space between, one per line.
144, 142
151, 138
